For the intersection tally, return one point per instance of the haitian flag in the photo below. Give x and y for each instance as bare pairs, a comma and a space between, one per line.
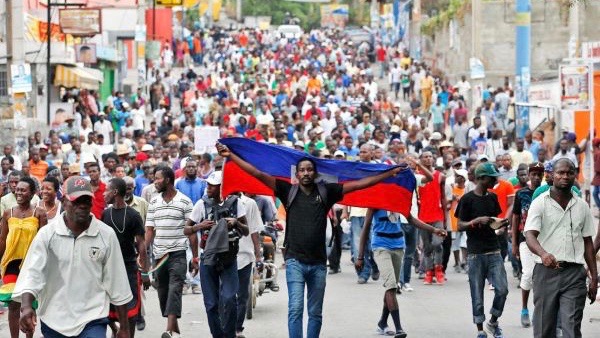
392, 194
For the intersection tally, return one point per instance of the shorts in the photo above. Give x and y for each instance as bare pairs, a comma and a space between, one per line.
135, 283
389, 263
459, 240
528, 263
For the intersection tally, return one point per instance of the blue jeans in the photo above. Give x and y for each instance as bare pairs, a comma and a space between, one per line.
220, 287
244, 275
596, 194
298, 275
491, 266
94, 329
356, 226
410, 242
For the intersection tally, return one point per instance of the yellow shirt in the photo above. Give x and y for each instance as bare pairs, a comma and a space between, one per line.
427, 82
21, 232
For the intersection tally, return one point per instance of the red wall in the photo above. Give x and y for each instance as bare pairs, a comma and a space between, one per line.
164, 25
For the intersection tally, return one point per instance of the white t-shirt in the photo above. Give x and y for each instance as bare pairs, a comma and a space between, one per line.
246, 246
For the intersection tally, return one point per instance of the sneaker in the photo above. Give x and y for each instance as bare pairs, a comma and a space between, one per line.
186, 289
494, 330
481, 334
440, 277
196, 289
375, 275
421, 275
361, 280
399, 288
525, 321
491, 287
239, 335
334, 271
559, 332
516, 273
407, 288
141, 324
428, 277
384, 331
400, 334
457, 269
166, 334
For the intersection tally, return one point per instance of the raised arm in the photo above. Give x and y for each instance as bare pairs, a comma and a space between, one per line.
267, 179
369, 181
428, 175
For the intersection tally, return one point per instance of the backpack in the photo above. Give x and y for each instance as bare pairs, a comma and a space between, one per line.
321, 190
216, 213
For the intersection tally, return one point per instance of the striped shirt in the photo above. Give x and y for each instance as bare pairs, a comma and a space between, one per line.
168, 220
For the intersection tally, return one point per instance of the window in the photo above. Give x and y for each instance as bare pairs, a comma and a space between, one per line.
3, 81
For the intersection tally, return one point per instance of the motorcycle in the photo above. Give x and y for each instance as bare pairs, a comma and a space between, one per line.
265, 272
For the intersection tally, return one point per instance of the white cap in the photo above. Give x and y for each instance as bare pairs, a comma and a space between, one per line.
216, 178
395, 128
147, 147
339, 153
88, 158
299, 144
462, 173
482, 130
436, 136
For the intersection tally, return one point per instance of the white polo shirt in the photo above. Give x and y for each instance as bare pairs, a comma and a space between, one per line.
74, 279
561, 231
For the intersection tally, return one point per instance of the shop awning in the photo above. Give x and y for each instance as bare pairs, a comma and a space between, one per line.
78, 77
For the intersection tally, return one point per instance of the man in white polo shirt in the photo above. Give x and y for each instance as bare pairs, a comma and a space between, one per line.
74, 269
559, 232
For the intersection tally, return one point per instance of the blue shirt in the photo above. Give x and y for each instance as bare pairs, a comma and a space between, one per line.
386, 234
350, 153
140, 183
194, 189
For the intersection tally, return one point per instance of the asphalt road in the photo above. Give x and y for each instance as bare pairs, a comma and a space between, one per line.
352, 310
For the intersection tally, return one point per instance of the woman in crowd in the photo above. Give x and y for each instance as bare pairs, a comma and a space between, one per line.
19, 226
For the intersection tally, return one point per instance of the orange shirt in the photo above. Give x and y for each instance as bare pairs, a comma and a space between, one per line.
504, 190
38, 170
314, 84
458, 192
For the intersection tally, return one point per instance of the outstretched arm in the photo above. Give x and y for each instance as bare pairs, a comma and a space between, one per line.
265, 178
369, 181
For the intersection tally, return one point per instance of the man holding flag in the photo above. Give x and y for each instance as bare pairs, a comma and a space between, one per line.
307, 204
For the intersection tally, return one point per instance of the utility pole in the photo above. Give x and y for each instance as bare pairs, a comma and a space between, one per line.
523, 63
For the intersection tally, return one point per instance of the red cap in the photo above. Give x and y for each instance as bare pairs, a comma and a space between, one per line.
141, 157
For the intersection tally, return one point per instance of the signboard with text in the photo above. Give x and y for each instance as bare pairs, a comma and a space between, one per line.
81, 21
20, 78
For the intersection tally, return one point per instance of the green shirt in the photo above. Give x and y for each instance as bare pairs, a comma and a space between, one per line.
545, 187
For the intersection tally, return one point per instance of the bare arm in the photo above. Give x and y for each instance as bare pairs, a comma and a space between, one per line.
590, 260
424, 226
42, 217
516, 220
443, 200
265, 178
123, 320
428, 175
368, 181
256, 244
475, 223
149, 238
140, 244
548, 259
364, 235
3, 233
596, 242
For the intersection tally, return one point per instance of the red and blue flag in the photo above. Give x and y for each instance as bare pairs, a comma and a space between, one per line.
392, 194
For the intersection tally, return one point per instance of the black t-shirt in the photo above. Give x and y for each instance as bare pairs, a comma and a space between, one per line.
306, 222
483, 239
126, 233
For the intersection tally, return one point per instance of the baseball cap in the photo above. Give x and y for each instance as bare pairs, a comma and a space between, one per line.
299, 144
436, 136
339, 153
75, 168
549, 167
536, 166
461, 173
482, 130
147, 147
77, 186
141, 157
445, 144
456, 161
486, 169
216, 178
483, 157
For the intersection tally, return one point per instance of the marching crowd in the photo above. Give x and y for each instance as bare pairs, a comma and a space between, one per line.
116, 192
